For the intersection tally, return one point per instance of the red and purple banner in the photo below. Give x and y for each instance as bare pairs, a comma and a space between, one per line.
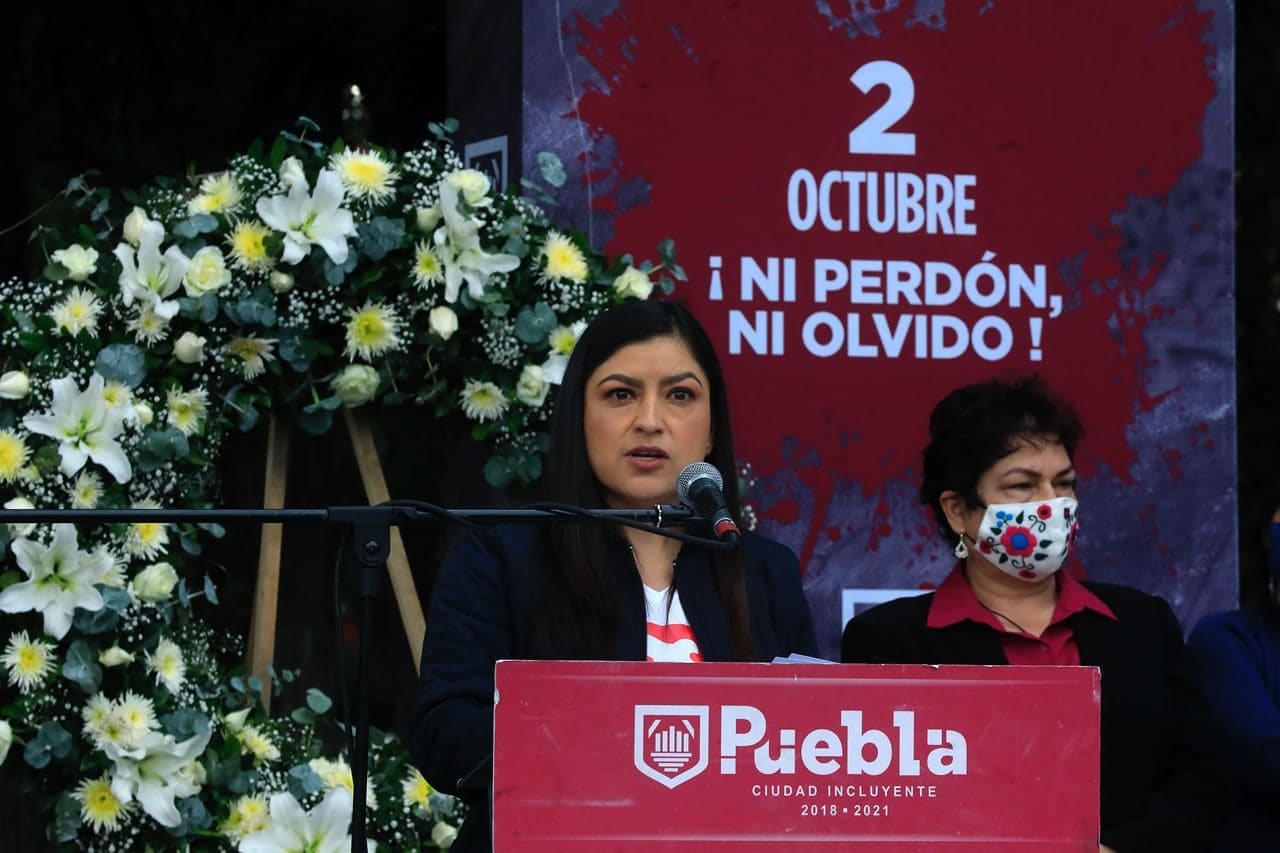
609, 756
877, 202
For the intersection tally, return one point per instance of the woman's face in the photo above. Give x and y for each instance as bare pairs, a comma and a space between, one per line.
646, 415
1036, 470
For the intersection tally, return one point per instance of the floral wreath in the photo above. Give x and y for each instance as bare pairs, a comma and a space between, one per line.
301, 279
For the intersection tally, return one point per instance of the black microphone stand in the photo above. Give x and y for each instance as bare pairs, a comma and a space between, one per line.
369, 532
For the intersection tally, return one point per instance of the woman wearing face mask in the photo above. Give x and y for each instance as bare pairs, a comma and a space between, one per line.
1236, 659
998, 475
642, 397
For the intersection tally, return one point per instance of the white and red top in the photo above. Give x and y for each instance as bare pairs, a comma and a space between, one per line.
670, 637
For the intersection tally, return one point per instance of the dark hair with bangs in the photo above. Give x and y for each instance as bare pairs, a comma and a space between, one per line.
976, 426
579, 594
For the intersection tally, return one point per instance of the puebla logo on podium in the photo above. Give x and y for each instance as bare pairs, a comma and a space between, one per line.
671, 742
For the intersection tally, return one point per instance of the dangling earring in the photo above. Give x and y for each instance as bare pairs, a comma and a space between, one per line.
961, 549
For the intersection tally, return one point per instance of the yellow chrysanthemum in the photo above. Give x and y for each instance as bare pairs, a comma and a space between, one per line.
252, 355
98, 805
427, 269
147, 326
258, 745
247, 242
563, 339
138, 714
86, 491
167, 664
365, 174
27, 660
483, 401
77, 312
116, 394
562, 259
249, 814
417, 791
186, 409
218, 194
13, 455
146, 539
338, 772
114, 574
371, 331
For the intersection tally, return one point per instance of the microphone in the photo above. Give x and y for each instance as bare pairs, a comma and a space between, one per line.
701, 488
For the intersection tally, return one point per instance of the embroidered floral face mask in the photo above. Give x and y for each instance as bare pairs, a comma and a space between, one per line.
1031, 540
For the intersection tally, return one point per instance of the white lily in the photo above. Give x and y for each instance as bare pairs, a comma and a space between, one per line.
325, 829
151, 277
60, 578
310, 218
458, 245
86, 427
156, 772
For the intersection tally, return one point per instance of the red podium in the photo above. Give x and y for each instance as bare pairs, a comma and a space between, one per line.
644, 756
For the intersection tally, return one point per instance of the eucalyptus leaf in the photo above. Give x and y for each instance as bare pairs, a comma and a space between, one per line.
498, 472
125, 363
210, 591
66, 818
318, 701
201, 223
534, 323
82, 667
316, 422
551, 168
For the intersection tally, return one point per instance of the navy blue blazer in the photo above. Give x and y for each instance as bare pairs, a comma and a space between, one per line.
1161, 777
484, 608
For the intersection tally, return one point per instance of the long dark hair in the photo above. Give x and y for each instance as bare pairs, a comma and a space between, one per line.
579, 593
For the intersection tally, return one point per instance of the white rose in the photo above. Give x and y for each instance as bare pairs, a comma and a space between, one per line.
632, 283
531, 388
17, 531
235, 720
355, 384
79, 262
133, 226
443, 835
14, 385
428, 218
473, 185
155, 582
206, 273
291, 172
143, 413
6, 739
114, 656
189, 348
280, 282
443, 321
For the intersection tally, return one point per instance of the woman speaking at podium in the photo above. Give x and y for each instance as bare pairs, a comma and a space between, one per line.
999, 477
642, 397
